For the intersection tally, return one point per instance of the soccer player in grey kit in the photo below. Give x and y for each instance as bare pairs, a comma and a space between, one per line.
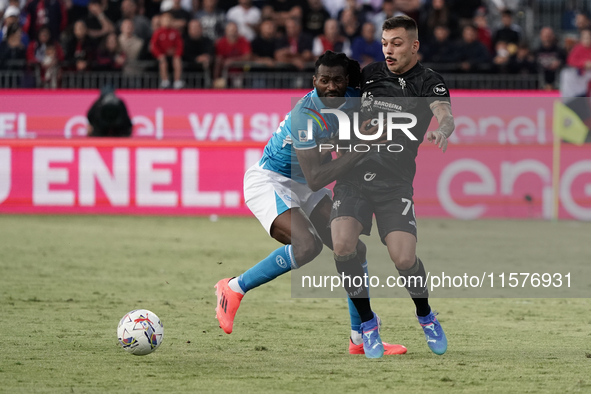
381, 183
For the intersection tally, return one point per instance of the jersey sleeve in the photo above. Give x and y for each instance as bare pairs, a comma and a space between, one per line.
435, 89
303, 136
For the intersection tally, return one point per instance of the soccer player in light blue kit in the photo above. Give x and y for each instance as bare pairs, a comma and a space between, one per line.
288, 197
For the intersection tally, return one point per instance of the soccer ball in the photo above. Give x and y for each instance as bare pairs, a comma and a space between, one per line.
140, 332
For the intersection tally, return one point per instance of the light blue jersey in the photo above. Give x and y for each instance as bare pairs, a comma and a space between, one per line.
279, 154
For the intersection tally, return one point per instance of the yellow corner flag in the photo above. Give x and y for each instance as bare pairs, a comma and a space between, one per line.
568, 125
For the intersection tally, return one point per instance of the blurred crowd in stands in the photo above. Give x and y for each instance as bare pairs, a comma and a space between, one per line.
176, 36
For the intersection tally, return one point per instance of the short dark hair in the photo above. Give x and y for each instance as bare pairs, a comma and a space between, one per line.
507, 12
332, 59
406, 22
12, 29
354, 73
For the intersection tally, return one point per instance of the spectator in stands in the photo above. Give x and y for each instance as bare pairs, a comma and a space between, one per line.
582, 21
11, 17
362, 11
501, 57
472, 54
247, 18
199, 50
388, 11
180, 16
409, 7
263, 46
482, 29
188, 5
580, 56
46, 54
167, 45
110, 56
212, 20
97, 23
549, 57
232, 47
131, 45
523, 61
331, 40
12, 50
282, 10
314, 17
437, 13
79, 50
141, 24
36, 49
296, 47
334, 7
51, 13
509, 32
441, 50
350, 27
366, 49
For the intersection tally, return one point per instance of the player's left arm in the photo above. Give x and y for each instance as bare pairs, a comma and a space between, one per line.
442, 111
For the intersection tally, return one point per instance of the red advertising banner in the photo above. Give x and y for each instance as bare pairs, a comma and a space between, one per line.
202, 178
497, 117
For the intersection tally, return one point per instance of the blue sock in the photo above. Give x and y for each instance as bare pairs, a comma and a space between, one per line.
353, 314
277, 263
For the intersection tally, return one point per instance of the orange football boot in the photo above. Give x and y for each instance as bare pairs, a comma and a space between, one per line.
227, 305
389, 349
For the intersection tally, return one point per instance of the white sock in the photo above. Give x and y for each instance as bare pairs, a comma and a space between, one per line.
233, 284
356, 337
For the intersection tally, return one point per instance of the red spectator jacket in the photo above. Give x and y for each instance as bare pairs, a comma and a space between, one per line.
164, 39
578, 56
226, 49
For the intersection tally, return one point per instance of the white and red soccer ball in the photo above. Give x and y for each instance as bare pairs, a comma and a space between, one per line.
140, 332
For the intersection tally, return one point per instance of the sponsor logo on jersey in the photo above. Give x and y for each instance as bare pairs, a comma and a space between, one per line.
439, 90
304, 135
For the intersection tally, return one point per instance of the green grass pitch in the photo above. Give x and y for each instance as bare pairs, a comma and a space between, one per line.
65, 281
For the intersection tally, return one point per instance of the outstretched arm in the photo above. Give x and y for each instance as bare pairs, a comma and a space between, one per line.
442, 111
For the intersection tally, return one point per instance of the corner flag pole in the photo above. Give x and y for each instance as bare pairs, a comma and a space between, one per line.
555, 176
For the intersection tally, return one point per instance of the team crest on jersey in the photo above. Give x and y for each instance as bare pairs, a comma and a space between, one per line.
439, 90
366, 101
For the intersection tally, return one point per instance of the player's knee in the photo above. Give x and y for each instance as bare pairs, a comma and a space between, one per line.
307, 250
343, 247
404, 262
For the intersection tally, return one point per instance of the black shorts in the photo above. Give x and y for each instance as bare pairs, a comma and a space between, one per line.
371, 189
